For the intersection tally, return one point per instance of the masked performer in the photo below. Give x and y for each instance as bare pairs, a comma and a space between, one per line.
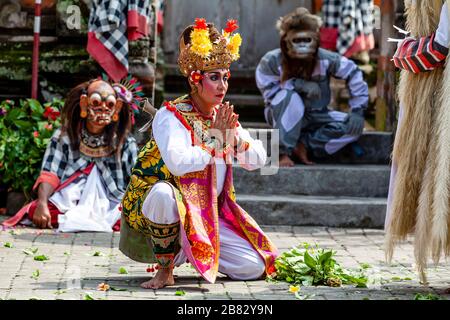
180, 203
295, 83
419, 189
88, 162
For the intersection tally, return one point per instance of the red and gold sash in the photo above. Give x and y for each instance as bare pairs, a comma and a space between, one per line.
199, 206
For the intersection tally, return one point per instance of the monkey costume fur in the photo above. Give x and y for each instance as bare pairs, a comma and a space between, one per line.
420, 179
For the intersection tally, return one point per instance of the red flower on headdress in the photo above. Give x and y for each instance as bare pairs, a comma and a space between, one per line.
231, 26
200, 24
51, 113
196, 76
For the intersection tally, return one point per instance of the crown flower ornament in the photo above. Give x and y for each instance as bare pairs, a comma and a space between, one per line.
129, 90
200, 42
196, 77
234, 41
207, 48
231, 26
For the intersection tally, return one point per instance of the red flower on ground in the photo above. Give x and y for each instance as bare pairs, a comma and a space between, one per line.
231, 26
271, 269
200, 24
103, 287
51, 113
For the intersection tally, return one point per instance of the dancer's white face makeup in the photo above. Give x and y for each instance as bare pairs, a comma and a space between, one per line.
214, 86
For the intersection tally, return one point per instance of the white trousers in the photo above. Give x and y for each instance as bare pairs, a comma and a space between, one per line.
86, 206
238, 259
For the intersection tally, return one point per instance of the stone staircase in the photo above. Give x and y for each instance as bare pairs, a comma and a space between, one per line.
319, 195
345, 190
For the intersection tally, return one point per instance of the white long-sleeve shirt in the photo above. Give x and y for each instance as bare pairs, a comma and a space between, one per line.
175, 145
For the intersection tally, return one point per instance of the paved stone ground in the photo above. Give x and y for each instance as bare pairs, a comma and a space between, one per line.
78, 262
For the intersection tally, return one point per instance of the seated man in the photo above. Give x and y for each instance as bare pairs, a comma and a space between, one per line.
88, 162
295, 83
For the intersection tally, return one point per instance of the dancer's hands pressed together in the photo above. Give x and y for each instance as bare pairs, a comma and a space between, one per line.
224, 121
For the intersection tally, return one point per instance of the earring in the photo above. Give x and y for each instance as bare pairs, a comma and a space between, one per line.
83, 113
115, 117
83, 105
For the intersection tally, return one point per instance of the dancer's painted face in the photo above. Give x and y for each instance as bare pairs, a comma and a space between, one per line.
214, 86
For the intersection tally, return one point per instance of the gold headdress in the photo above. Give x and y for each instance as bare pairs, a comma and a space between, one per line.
208, 49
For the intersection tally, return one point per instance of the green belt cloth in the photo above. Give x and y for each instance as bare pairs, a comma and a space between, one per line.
161, 246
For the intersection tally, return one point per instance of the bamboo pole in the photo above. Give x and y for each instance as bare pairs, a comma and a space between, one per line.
385, 114
35, 58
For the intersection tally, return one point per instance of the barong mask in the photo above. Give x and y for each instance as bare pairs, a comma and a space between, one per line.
100, 103
299, 43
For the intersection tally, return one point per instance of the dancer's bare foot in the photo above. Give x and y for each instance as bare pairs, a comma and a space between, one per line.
302, 154
285, 161
164, 277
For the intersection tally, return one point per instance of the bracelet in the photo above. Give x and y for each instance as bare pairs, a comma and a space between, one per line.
241, 146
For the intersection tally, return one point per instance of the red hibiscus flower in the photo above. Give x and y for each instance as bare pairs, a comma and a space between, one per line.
200, 24
196, 77
231, 26
51, 113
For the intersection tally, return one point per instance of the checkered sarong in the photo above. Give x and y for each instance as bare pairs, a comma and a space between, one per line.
352, 18
60, 159
108, 20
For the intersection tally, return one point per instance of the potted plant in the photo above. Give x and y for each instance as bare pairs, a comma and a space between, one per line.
25, 130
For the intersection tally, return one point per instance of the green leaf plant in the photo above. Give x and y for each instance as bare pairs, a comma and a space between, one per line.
310, 265
25, 130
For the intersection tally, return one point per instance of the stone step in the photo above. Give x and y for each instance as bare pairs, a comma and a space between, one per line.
314, 210
376, 147
316, 180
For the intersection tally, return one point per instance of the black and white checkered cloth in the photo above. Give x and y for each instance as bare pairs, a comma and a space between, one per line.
60, 159
352, 18
108, 19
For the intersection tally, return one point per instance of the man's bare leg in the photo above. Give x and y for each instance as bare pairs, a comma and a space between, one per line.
302, 154
164, 277
285, 161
